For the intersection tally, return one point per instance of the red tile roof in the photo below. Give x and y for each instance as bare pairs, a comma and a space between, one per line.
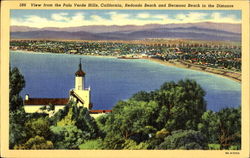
80, 73
99, 111
46, 101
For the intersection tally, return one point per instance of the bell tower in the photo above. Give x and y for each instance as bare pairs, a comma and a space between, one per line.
80, 94
79, 78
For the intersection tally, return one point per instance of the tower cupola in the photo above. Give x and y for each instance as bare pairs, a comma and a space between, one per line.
80, 72
79, 78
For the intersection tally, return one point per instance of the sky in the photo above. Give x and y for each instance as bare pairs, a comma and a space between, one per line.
72, 18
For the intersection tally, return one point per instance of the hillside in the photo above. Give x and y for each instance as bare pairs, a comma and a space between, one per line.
197, 31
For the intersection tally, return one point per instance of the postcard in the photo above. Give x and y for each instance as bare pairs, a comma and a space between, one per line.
125, 78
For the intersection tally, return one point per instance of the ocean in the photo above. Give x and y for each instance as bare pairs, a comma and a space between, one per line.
50, 75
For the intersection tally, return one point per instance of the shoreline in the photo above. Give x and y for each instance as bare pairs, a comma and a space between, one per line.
226, 74
235, 76
32, 52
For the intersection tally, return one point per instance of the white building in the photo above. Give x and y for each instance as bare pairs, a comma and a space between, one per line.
79, 94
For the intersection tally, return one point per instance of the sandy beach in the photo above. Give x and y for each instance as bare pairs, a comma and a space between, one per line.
236, 76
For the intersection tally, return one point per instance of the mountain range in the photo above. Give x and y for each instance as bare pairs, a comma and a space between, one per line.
196, 31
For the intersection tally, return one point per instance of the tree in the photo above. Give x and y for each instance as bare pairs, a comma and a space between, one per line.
223, 127
17, 130
17, 114
113, 141
185, 105
132, 145
17, 83
67, 120
229, 127
38, 127
184, 139
101, 121
72, 126
92, 145
180, 105
36, 143
129, 120
85, 122
68, 136
60, 114
79, 117
174, 106
209, 126
142, 96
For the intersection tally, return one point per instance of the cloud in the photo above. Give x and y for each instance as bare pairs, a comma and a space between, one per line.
216, 16
60, 17
192, 17
117, 18
181, 16
143, 15
34, 18
96, 17
78, 17
197, 16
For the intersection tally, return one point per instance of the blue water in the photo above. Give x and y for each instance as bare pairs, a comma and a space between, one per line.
111, 79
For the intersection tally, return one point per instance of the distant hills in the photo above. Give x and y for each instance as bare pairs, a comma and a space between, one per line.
196, 31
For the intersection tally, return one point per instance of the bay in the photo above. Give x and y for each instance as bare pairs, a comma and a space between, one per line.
50, 75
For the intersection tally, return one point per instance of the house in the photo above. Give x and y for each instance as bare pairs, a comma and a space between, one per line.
32, 105
79, 94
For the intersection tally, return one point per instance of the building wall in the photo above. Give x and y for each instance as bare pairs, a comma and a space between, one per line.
96, 115
79, 85
32, 108
85, 95
36, 108
58, 107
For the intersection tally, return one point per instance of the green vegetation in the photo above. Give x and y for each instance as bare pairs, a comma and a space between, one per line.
223, 127
67, 137
17, 83
35, 143
65, 130
172, 117
184, 139
150, 117
92, 145
17, 114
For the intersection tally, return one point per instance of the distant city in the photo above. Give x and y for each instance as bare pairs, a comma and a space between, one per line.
222, 55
